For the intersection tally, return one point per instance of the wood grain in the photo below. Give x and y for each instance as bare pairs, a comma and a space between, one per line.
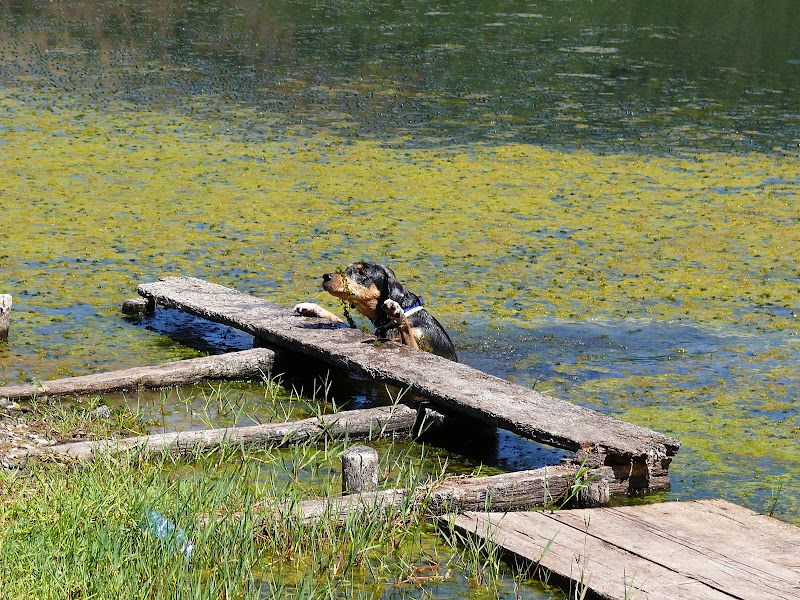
508, 491
355, 424
709, 549
247, 364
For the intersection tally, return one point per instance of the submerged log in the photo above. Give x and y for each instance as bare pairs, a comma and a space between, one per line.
640, 456
548, 486
354, 424
5, 315
247, 364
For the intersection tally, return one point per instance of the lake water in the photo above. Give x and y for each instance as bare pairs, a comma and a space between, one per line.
598, 199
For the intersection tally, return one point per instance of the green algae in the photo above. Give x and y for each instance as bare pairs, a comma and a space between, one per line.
709, 238
517, 235
105, 188
584, 216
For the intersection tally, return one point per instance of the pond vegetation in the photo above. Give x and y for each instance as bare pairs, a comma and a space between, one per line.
83, 530
598, 200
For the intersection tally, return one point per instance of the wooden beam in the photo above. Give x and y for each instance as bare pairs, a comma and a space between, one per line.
354, 424
510, 491
640, 457
248, 364
544, 487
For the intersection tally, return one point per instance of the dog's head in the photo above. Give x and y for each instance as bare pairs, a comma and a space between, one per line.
365, 286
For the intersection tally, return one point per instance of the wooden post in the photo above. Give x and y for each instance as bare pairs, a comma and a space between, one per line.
138, 306
5, 315
359, 470
596, 494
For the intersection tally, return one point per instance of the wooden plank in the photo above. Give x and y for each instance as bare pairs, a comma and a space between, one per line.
247, 364
678, 550
508, 491
640, 457
718, 542
354, 424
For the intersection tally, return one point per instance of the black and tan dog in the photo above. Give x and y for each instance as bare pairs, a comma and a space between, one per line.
396, 313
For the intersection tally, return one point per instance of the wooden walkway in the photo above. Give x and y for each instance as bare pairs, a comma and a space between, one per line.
638, 457
699, 550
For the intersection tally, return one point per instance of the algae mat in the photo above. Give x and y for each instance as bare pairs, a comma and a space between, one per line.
661, 289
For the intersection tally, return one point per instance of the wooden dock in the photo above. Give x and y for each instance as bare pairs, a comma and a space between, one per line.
698, 550
639, 458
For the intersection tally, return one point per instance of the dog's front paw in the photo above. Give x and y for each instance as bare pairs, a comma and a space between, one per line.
393, 309
309, 309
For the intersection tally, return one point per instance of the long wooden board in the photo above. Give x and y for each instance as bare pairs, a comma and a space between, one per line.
639, 457
705, 549
546, 486
256, 363
353, 424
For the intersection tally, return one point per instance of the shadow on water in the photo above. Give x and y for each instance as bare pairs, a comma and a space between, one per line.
312, 379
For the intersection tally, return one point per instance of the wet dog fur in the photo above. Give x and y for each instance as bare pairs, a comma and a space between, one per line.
397, 314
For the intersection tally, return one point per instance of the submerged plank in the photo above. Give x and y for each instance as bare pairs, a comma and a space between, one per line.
354, 424
508, 491
640, 457
708, 549
247, 364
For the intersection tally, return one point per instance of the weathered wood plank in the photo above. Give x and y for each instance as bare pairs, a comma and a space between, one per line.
677, 550
354, 424
247, 364
509, 491
640, 456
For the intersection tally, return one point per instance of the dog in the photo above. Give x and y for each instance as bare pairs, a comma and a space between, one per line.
397, 314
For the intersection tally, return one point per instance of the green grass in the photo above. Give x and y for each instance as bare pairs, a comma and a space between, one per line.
80, 531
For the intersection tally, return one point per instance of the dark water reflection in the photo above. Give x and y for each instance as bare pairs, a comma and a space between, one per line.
632, 74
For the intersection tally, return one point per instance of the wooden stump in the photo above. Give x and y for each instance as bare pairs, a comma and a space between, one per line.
5, 315
138, 307
594, 495
359, 470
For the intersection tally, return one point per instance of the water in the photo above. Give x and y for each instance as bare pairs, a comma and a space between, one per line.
596, 199
645, 75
